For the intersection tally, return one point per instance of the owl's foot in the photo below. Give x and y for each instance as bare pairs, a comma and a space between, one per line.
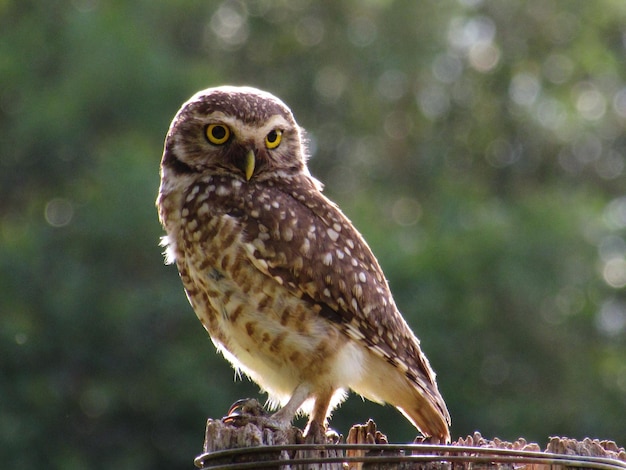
248, 406
249, 410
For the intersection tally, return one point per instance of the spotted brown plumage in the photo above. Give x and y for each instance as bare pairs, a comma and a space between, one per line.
285, 285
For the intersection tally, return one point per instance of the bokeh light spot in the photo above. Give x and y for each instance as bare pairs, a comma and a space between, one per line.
330, 83
611, 247
501, 153
309, 31
558, 68
611, 318
611, 165
433, 101
362, 31
524, 89
94, 402
21, 338
229, 24
484, 57
619, 103
398, 125
392, 85
447, 68
614, 273
615, 213
590, 103
59, 212
406, 211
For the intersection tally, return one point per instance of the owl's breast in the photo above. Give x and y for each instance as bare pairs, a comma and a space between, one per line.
275, 337
265, 329
260, 321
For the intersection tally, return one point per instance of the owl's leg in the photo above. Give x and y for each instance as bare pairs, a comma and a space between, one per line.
287, 413
316, 429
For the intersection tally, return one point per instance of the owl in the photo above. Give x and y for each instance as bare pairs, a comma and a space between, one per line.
287, 288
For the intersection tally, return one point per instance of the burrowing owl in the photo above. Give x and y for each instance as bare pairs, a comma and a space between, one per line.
285, 285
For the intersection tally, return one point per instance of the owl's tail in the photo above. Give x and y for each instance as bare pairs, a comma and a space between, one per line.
428, 413
419, 400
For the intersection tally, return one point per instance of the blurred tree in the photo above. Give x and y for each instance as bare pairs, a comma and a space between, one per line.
479, 146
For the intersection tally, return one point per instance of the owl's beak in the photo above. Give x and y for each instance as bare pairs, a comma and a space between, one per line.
249, 164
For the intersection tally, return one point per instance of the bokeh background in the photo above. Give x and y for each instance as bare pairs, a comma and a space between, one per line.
477, 144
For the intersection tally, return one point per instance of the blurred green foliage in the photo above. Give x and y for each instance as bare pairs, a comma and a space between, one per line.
478, 145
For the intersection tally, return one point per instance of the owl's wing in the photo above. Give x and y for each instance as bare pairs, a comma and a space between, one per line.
303, 240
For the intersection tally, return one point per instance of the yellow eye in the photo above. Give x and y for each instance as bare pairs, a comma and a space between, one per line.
217, 134
272, 140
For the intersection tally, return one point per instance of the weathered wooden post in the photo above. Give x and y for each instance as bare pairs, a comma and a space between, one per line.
245, 442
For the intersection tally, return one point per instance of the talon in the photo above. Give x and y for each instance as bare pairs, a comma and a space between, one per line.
246, 407
241, 403
228, 419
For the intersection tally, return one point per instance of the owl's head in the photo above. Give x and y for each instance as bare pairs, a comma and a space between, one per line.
239, 131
